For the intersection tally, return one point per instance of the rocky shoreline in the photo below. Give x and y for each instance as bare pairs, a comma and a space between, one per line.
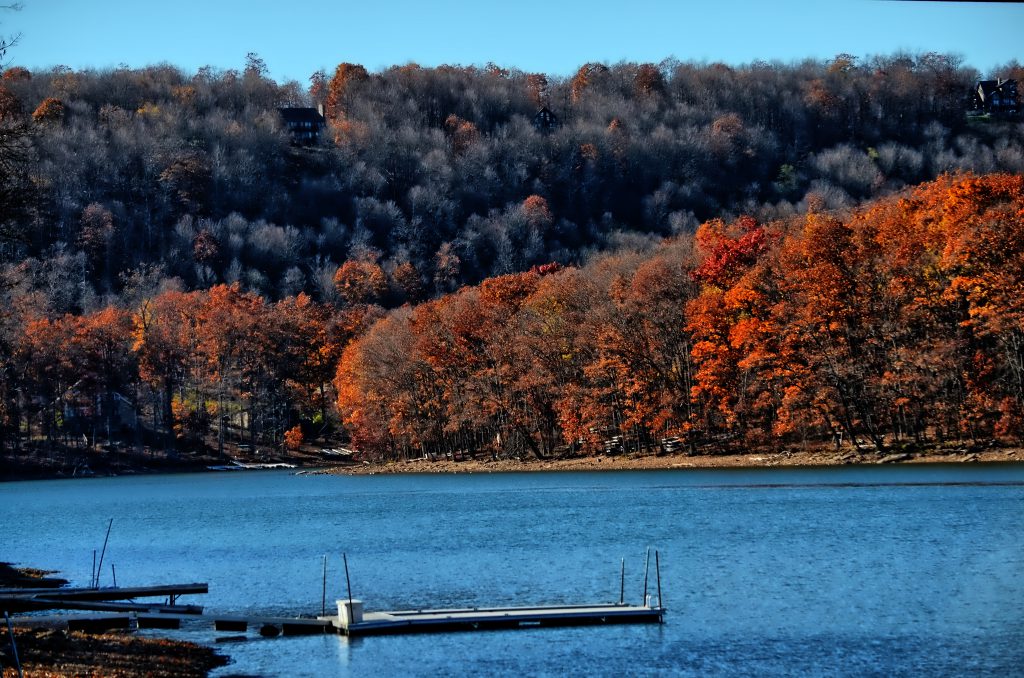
820, 457
50, 652
314, 462
47, 653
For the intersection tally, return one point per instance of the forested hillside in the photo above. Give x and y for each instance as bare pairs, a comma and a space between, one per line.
682, 256
437, 176
901, 323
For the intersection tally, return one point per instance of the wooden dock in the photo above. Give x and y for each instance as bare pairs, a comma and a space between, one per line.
101, 599
477, 619
351, 620
98, 622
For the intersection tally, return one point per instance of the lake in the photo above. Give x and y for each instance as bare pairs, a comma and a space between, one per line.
894, 571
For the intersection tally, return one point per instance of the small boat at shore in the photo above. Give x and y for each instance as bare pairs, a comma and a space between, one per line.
239, 466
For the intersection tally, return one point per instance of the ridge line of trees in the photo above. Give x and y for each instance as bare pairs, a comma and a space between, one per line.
122, 180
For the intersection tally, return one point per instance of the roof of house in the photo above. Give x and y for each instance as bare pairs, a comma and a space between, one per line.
989, 86
291, 115
545, 117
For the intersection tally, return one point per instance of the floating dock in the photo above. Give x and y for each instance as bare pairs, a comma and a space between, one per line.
92, 598
368, 624
352, 621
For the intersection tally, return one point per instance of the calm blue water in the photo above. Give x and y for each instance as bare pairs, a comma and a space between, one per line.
888, 571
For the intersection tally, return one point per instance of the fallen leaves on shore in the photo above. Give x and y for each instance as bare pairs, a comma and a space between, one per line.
46, 653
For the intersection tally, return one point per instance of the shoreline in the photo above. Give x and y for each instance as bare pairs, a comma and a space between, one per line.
314, 465
756, 460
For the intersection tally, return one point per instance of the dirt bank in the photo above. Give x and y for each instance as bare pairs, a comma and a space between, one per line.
46, 652
820, 457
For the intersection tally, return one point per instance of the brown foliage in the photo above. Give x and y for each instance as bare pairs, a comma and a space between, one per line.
360, 282
461, 133
345, 76
10, 107
205, 247
648, 80
293, 438
537, 88
587, 75
51, 110
17, 73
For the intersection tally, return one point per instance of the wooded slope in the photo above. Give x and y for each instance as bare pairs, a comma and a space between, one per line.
133, 180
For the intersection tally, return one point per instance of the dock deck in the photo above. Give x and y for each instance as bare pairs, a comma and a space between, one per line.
369, 624
474, 619
100, 599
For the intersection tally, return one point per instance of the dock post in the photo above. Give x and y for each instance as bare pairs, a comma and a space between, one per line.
647, 569
348, 582
103, 552
323, 597
622, 582
14, 646
657, 569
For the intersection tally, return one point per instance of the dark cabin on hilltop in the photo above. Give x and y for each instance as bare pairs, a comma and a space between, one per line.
998, 97
304, 124
545, 121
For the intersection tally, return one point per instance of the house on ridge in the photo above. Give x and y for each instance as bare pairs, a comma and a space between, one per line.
545, 121
304, 124
997, 97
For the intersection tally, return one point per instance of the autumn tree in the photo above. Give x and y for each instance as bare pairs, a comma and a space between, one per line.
360, 281
587, 76
648, 80
318, 86
384, 391
293, 439
554, 346
10, 106
312, 346
101, 357
727, 253
205, 247
39, 366
166, 338
538, 89
17, 73
409, 282
233, 338
96, 235
643, 343
187, 178
50, 111
462, 133
980, 219
346, 75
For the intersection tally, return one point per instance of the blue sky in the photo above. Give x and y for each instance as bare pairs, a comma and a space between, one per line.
295, 37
